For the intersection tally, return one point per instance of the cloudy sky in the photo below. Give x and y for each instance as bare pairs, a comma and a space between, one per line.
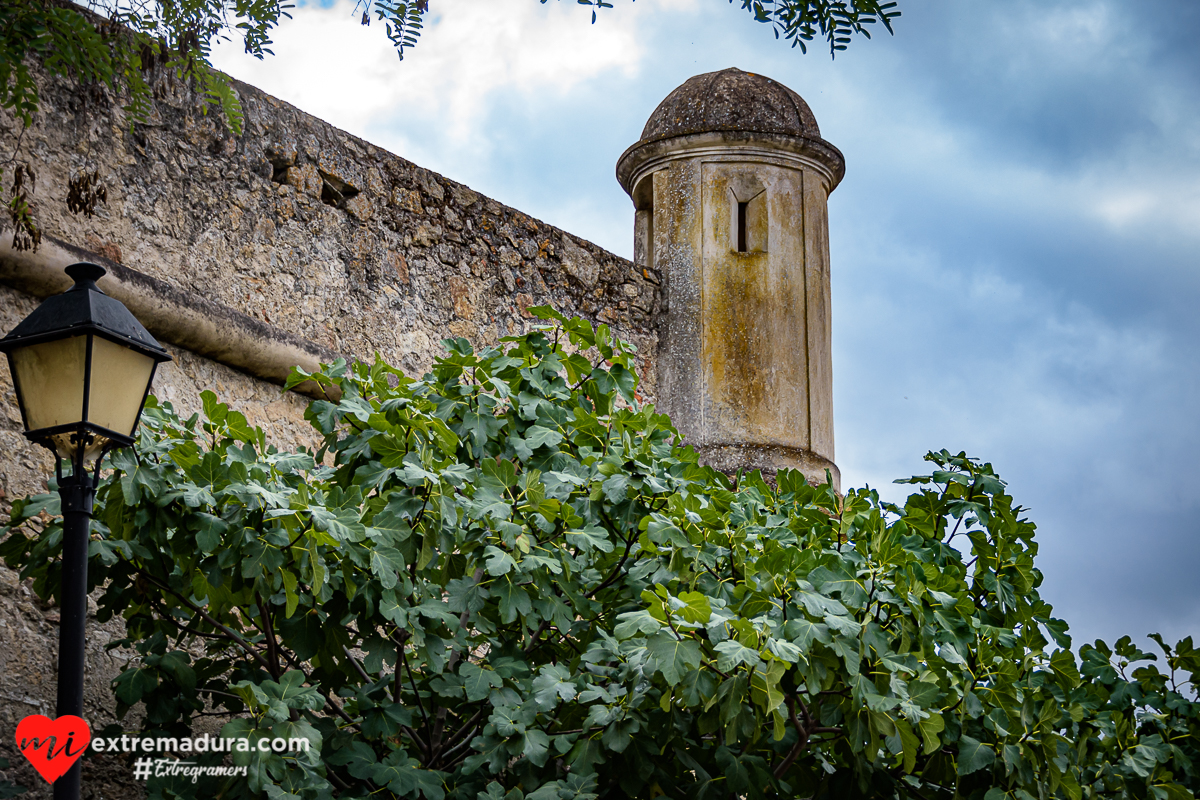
1014, 249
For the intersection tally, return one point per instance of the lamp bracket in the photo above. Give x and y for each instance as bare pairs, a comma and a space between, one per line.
77, 491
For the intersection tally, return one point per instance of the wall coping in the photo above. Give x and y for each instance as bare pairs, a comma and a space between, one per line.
172, 315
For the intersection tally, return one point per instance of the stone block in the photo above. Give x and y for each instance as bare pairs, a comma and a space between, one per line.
360, 207
430, 186
460, 296
578, 263
305, 179
462, 196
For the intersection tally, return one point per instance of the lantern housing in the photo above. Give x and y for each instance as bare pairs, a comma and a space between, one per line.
82, 366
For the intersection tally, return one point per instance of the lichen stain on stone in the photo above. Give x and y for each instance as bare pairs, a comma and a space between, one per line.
736, 312
753, 352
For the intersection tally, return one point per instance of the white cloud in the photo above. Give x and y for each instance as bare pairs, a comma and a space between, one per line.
331, 66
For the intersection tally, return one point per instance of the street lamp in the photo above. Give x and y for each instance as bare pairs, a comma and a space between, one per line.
81, 365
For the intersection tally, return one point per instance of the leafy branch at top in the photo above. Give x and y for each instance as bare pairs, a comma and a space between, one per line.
835, 21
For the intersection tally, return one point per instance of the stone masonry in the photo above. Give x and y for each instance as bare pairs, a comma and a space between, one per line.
295, 231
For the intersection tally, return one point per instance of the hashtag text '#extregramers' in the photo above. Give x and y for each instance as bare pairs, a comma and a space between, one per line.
144, 767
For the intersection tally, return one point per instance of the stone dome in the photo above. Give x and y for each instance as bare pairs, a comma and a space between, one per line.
731, 100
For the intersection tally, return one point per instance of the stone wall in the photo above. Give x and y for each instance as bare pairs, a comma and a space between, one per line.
293, 231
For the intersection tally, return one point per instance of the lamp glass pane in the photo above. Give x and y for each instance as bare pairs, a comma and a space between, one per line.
119, 380
50, 376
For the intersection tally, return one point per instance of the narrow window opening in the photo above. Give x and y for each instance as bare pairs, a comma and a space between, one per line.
741, 226
643, 238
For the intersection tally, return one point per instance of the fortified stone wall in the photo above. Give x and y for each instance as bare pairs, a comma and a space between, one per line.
291, 243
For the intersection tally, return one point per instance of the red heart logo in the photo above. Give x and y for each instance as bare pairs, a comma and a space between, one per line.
53, 745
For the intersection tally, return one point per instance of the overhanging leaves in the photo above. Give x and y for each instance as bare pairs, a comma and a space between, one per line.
563, 603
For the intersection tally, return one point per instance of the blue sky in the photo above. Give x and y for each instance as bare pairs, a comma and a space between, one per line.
1014, 248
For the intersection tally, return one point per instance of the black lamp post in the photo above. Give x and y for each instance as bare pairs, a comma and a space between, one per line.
81, 365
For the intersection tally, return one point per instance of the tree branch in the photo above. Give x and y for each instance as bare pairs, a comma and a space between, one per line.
269, 633
246, 646
801, 743
617, 569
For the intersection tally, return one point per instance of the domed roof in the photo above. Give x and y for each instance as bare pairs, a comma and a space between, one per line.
731, 100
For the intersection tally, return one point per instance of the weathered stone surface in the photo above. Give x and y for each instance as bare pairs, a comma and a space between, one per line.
312, 232
731, 183
311, 246
731, 100
579, 264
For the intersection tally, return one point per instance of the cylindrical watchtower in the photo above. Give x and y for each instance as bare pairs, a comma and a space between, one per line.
730, 181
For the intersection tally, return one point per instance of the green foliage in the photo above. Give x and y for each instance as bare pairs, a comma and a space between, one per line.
402, 20
506, 580
64, 40
125, 45
799, 21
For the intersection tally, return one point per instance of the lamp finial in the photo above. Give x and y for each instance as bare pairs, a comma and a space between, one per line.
85, 275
